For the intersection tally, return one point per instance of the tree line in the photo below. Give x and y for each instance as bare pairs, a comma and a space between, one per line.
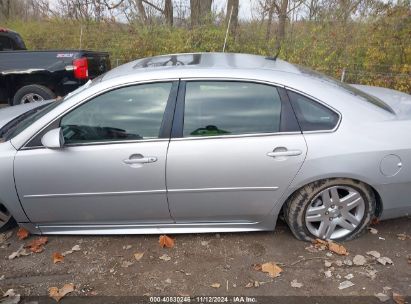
366, 40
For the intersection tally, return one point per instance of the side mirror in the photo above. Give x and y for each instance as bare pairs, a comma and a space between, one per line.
53, 139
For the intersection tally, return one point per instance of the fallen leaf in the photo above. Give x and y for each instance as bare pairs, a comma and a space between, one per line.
311, 249
166, 241
375, 221
57, 257
5, 236
374, 254
382, 297
385, 260
22, 233
328, 274
165, 257
345, 284
10, 297
138, 256
398, 298
36, 245
75, 248
295, 284
272, 269
57, 294
249, 285
373, 230
403, 236
330, 245
216, 285
320, 244
337, 248
327, 264
20, 252
349, 276
126, 264
348, 262
359, 260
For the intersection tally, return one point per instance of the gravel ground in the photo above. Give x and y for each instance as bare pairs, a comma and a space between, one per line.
105, 265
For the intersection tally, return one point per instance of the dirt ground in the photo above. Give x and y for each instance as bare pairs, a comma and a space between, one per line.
106, 266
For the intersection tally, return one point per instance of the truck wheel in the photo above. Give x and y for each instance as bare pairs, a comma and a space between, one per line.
32, 93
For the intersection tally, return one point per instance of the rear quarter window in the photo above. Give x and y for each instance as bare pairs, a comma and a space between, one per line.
311, 115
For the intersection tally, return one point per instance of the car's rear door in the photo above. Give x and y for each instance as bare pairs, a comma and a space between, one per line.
235, 148
112, 168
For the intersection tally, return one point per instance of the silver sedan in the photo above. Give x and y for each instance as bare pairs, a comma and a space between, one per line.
207, 142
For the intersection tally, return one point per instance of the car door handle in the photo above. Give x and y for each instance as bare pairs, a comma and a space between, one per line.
284, 153
139, 159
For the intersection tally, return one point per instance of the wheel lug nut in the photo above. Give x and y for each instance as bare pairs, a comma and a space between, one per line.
333, 206
326, 213
331, 218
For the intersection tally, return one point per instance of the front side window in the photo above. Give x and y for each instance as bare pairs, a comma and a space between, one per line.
230, 108
311, 115
129, 113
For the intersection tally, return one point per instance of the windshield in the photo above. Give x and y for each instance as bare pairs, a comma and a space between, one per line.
347, 88
17, 125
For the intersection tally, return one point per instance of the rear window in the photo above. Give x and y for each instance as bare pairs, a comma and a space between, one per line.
311, 115
347, 88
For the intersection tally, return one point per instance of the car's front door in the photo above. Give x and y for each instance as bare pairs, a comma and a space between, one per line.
111, 169
234, 154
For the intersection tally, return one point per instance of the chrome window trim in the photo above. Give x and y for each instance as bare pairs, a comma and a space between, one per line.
235, 136
321, 103
119, 86
252, 80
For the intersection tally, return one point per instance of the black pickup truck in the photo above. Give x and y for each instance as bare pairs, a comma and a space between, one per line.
29, 76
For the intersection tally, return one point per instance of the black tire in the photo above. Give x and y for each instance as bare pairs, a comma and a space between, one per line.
38, 90
11, 223
296, 206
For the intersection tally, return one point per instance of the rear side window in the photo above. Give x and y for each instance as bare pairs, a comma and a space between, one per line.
230, 108
311, 115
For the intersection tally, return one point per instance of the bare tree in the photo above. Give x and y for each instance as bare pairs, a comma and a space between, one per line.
232, 11
200, 11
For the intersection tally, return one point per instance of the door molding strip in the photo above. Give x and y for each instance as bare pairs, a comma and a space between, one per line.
196, 190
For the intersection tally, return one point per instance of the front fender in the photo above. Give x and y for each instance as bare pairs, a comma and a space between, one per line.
8, 194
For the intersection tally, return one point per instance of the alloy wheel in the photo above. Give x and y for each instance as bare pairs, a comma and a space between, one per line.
335, 212
31, 97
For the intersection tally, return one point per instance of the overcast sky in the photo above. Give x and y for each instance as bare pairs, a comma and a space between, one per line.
244, 13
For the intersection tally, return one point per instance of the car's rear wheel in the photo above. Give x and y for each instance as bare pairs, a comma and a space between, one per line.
333, 209
32, 93
6, 220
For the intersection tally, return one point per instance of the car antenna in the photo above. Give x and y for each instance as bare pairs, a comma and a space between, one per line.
274, 58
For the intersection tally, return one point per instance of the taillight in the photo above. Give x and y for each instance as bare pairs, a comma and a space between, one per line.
80, 68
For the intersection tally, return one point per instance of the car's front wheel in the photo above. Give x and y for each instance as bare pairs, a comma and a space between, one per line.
332, 209
6, 220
